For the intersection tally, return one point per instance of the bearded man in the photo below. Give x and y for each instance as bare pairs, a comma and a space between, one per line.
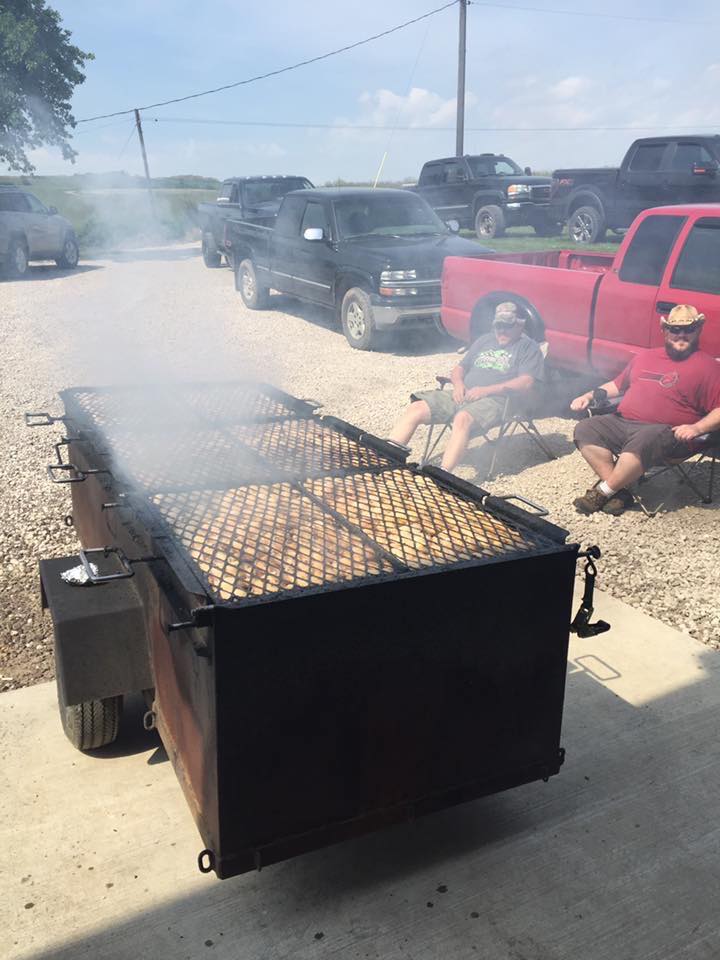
670, 397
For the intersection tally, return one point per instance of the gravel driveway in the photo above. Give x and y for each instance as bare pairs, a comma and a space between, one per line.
161, 315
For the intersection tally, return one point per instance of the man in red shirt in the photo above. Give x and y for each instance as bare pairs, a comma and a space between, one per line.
670, 396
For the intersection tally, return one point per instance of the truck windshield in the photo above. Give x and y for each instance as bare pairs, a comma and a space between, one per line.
493, 167
380, 215
268, 190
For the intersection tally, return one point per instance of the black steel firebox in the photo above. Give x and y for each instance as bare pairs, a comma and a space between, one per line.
331, 639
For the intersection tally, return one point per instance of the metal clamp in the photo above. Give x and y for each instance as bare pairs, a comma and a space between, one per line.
42, 419
54, 468
581, 624
540, 511
126, 569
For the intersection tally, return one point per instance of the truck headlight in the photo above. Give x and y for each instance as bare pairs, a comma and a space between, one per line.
392, 276
518, 189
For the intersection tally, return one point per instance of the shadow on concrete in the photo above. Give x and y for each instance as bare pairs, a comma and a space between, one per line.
47, 271
628, 816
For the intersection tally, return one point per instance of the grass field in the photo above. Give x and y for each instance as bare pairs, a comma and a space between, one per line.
520, 239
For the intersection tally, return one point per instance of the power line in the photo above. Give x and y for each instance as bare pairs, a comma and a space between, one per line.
588, 13
275, 73
370, 126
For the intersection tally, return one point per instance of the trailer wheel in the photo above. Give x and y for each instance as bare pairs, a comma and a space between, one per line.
357, 318
489, 222
586, 225
246, 282
93, 723
211, 258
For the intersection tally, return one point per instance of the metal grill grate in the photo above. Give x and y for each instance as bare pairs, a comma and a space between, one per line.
259, 540
196, 459
235, 402
419, 522
302, 447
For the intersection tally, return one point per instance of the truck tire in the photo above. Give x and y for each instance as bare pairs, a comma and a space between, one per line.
69, 255
93, 723
489, 222
586, 225
253, 295
17, 262
211, 258
358, 322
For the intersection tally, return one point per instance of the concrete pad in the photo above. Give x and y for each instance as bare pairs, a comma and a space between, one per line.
616, 858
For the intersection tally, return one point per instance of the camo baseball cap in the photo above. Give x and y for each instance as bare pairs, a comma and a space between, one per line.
507, 312
683, 315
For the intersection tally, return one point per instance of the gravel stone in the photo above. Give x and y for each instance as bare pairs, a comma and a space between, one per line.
160, 315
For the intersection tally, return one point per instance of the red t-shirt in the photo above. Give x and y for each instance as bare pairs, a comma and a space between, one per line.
658, 389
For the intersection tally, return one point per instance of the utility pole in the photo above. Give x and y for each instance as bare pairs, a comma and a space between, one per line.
460, 124
144, 156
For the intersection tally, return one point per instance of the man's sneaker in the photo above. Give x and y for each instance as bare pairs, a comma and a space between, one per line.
618, 503
591, 501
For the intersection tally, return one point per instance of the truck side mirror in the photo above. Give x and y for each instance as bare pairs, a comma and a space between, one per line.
707, 169
527, 172
52, 211
313, 233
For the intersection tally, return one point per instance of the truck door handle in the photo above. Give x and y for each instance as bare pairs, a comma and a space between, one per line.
664, 306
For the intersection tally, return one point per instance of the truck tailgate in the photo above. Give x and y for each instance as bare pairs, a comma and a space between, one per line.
560, 284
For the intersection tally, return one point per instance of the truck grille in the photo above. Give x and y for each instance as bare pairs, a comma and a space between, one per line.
540, 194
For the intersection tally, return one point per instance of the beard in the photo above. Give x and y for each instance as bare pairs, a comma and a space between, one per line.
675, 354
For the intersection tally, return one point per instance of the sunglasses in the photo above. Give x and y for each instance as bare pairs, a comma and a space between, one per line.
677, 331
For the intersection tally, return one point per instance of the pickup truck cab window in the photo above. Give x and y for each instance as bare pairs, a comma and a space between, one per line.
269, 190
686, 154
14, 202
226, 191
648, 157
454, 172
698, 267
647, 255
431, 175
315, 217
493, 167
290, 216
35, 205
389, 216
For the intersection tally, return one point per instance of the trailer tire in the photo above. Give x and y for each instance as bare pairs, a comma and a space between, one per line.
70, 253
358, 322
253, 295
586, 225
93, 723
18, 260
489, 222
211, 258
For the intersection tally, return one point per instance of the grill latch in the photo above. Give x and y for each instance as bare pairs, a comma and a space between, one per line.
581, 624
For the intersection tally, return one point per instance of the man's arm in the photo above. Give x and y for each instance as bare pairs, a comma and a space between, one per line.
457, 378
689, 431
582, 402
516, 385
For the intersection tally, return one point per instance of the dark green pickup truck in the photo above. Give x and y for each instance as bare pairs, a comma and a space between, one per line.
373, 256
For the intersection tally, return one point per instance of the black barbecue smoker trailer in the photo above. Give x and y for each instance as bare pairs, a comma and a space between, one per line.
330, 639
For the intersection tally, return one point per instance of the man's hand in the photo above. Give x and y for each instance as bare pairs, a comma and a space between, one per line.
476, 393
458, 392
686, 432
582, 402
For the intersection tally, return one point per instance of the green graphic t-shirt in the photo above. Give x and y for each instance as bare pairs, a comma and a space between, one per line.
487, 363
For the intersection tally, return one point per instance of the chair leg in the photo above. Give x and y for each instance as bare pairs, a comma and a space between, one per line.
430, 450
532, 431
704, 497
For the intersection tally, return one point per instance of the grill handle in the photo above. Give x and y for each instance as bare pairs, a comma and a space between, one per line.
126, 570
41, 419
490, 500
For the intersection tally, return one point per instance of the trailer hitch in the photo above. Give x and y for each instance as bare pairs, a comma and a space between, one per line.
581, 624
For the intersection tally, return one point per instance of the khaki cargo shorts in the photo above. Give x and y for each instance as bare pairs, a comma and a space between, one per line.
486, 412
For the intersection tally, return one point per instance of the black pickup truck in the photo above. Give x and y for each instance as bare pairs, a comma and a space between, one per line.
487, 193
656, 171
373, 256
256, 199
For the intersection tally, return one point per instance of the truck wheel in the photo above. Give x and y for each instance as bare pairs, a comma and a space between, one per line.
489, 222
93, 723
357, 318
17, 259
246, 282
211, 258
586, 225
69, 255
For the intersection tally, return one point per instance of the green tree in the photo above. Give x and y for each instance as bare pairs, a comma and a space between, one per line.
39, 69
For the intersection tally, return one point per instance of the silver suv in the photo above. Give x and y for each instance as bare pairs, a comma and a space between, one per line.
31, 231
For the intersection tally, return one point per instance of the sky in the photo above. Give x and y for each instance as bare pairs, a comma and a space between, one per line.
529, 65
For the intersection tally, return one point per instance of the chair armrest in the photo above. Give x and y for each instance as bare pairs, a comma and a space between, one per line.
597, 408
443, 381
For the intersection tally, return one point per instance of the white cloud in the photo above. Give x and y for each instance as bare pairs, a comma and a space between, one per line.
569, 88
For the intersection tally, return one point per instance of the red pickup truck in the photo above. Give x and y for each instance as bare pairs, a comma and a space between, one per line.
598, 309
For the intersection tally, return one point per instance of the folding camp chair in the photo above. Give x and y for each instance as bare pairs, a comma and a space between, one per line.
686, 469
518, 412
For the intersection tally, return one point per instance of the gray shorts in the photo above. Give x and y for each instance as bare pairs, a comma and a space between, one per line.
486, 412
652, 443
